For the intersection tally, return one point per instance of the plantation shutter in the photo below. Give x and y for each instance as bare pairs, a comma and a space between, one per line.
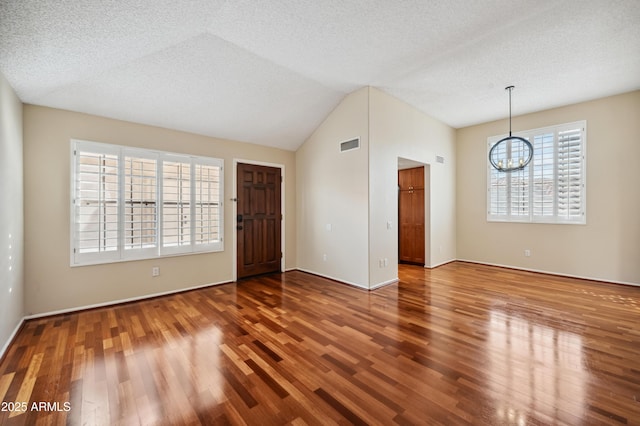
140, 202
570, 174
176, 203
498, 186
207, 203
95, 203
519, 193
543, 165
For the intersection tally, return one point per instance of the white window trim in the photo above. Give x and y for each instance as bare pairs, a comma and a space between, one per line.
122, 255
531, 218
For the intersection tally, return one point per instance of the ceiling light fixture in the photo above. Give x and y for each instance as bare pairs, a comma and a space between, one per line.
503, 152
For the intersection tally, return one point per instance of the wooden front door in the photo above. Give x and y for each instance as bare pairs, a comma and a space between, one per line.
259, 220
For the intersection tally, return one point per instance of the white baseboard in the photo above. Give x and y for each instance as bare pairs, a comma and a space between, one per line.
332, 278
440, 264
376, 286
383, 284
541, 271
11, 337
116, 302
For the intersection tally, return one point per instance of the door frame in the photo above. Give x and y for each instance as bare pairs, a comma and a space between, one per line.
234, 201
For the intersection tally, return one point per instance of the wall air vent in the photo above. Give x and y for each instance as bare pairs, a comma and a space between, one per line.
350, 144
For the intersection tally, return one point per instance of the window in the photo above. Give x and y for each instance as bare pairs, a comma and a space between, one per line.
129, 203
551, 188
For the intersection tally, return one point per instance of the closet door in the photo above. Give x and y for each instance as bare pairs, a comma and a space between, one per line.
417, 206
411, 216
406, 241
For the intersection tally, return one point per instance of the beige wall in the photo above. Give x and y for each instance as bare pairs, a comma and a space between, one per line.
399, 130
333, 192
50, 283
608, 246
11, 214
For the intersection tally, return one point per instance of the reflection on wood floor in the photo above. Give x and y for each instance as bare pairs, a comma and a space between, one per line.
460, 344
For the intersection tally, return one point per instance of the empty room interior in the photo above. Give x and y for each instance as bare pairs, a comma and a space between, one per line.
337, 212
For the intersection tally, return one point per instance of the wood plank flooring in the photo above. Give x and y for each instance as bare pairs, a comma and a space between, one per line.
460, 344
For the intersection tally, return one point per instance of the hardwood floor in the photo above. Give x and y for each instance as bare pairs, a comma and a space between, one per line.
460, 344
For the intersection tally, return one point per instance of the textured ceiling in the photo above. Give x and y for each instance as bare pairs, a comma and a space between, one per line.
269, 72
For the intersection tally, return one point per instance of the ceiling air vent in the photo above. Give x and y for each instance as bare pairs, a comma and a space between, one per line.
350, 144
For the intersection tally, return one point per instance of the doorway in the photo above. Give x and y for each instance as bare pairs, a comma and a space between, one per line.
258, 220
413, 212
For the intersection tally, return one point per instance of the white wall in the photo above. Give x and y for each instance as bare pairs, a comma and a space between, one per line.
356, 192
50, 283
332, 189
608, 246
399, 130
11, 214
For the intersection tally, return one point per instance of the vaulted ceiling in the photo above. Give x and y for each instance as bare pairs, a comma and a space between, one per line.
269, 72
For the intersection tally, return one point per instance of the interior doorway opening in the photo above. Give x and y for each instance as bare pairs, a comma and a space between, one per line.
414, 195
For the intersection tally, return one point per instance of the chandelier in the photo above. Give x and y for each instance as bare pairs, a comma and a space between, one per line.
510, 153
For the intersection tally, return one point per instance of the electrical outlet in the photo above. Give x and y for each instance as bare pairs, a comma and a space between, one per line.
324, 257
386, 262
155, 271
527, 253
